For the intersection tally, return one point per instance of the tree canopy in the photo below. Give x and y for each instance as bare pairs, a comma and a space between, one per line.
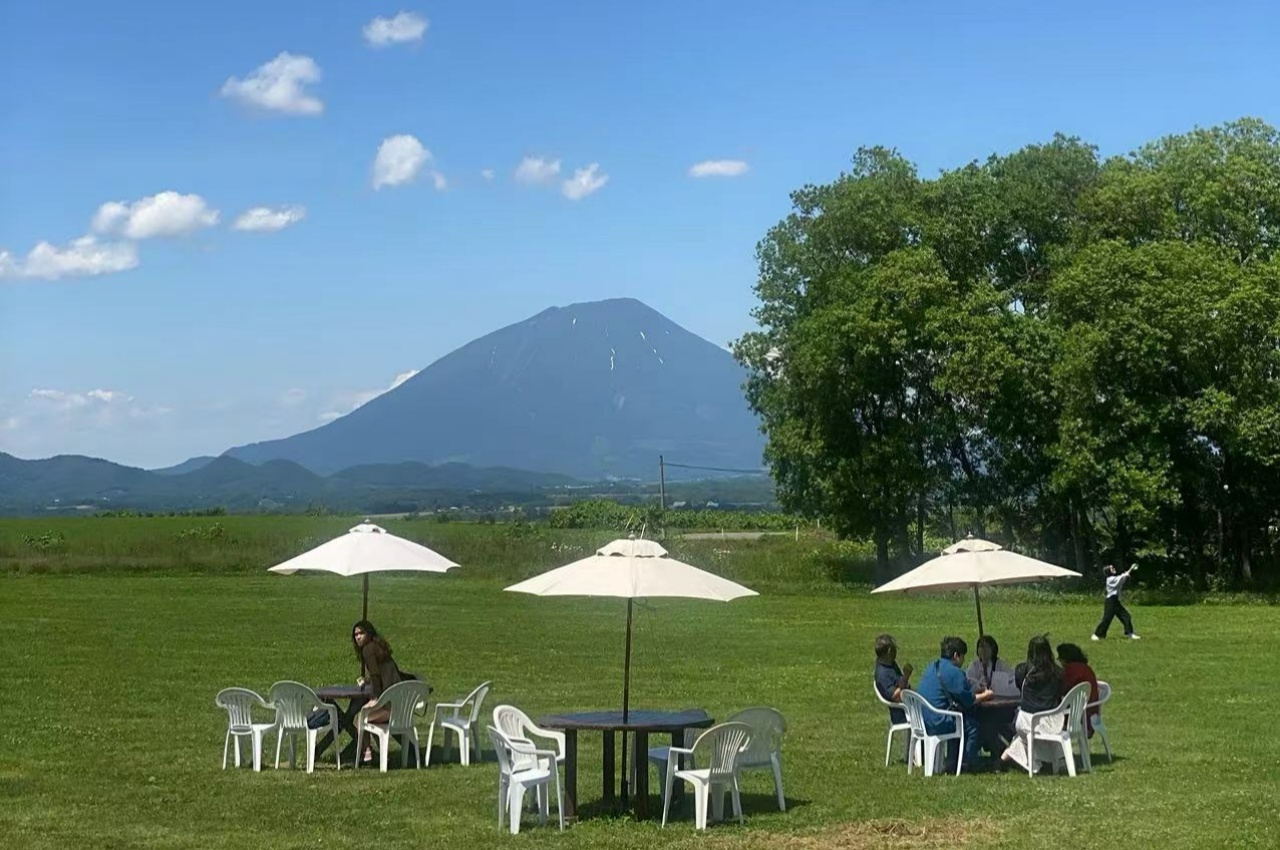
1078, 356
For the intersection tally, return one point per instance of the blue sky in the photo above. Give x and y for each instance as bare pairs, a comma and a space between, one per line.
193, 336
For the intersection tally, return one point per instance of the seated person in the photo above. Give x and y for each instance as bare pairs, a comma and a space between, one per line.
1076, 669
1040, 681
891, 680
944, 686
989, 672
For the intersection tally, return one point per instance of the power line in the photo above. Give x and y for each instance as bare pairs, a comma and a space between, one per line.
718, 469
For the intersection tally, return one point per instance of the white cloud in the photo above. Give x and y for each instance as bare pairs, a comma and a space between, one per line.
403, 27
110, 216
108, 396
54, 415
279, 86
583, 182
346, 402
402, 377
59, 399
719, 168
398, 161
266, 219
537, 171
487, 174
163, 214
439, 181
82, 257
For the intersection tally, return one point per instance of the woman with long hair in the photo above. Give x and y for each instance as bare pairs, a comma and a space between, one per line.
1039, 679
378, 670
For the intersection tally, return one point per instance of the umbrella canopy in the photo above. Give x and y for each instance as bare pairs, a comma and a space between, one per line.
974, 563
365, 549
631, 569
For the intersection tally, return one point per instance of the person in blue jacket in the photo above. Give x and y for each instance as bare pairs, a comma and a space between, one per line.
944, 685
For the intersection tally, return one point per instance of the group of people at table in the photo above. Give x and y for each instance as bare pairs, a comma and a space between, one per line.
996, 701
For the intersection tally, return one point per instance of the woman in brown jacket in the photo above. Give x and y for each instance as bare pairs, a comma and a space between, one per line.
378, 670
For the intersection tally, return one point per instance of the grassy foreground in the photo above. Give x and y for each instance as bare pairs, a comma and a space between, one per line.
110, 738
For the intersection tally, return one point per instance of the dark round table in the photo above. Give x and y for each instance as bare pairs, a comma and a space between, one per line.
996, 716
354, 697
348, 699
639, 723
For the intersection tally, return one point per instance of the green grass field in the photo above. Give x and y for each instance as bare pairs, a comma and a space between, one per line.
110, 738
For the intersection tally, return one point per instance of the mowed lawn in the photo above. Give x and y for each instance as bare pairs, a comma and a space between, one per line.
110, 738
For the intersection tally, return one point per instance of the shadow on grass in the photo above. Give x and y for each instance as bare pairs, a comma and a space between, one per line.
682, 809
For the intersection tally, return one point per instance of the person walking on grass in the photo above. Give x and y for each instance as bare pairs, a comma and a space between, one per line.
1112, 607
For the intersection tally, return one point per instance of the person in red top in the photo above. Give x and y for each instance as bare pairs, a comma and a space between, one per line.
1076, 669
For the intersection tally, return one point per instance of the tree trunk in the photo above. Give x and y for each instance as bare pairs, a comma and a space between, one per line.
882, 556
1246, 563
921, 518
1077, 537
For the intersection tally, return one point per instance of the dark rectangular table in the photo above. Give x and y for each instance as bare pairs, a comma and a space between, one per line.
609, 723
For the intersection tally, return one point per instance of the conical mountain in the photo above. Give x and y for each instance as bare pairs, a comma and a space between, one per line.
588, 390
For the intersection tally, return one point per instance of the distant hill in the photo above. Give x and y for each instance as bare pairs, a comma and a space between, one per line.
590, 390
68, 481
189, 465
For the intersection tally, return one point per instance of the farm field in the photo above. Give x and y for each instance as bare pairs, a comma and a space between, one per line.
115, 634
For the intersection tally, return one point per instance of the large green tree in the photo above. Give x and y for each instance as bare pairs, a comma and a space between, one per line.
1079, 357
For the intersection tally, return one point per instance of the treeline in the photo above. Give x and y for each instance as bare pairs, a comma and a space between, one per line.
1079, 357
606, 514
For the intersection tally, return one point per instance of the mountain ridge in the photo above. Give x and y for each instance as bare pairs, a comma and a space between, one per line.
592, 389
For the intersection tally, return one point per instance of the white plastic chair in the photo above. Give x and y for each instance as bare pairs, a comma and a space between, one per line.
894, 728
401, 700
456, 717
293, 701
917, 708
719, 748
516, 725
764, 749
1104, 694
521, 766
660, 759
1072, 706
239, 704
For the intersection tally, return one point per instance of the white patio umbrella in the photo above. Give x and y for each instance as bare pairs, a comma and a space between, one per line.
365, 549
974, 563
631, 569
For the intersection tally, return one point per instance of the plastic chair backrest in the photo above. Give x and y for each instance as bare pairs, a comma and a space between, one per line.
767, 728
725, 741
1074, 703
913, 705
402, 698
476, 700
293, 702
1104, 694
239, 703
502, 747
511, 721
875, 689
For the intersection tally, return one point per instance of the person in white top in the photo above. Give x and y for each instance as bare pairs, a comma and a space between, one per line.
1112, 607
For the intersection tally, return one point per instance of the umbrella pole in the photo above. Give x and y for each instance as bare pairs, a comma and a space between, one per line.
364, 611
977, 601
626, 700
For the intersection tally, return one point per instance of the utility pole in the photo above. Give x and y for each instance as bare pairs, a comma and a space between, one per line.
662, 483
